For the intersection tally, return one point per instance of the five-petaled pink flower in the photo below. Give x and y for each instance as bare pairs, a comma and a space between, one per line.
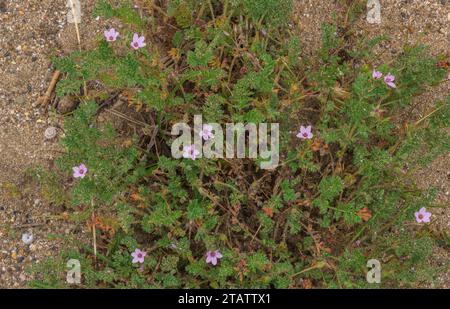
213, 256
206, 133
423, 215
138, 41
79, 171
189, 152
138, 256
377, 74
305, 133
389, 80
111, 35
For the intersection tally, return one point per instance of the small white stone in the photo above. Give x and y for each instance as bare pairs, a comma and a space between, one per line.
27, 238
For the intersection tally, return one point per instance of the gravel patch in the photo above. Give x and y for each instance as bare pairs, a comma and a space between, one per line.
31, 33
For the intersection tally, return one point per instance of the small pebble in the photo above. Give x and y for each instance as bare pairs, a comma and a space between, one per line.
3, 7
20, 100
27, 238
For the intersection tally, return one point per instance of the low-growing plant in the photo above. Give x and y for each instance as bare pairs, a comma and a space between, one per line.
341, 195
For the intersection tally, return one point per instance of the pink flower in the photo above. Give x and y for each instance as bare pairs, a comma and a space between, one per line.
305, 133
213, 256
138, 256
389, 80
138, 41
423, 215
111, 35
206, 133
79, 171
189, 152
376, 74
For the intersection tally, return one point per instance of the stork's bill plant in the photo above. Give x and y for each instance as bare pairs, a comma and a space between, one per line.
342, 193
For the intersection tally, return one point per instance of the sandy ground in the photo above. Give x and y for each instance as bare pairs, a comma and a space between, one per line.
31, 31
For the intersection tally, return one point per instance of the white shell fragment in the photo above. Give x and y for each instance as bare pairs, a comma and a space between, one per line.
27, 238
50, 133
